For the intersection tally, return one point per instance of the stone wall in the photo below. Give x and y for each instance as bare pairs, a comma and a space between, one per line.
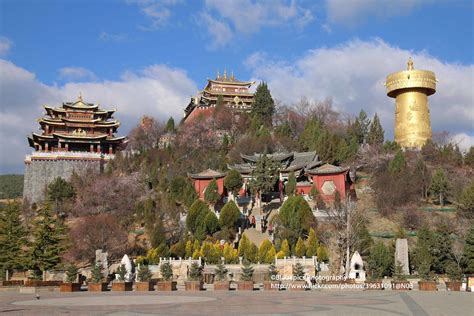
40, 173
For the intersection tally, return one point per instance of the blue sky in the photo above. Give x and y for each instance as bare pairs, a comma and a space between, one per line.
150, 56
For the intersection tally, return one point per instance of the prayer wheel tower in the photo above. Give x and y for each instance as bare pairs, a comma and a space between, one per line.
411, 89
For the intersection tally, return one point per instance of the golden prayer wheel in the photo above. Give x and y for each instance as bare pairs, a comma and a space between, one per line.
411, 89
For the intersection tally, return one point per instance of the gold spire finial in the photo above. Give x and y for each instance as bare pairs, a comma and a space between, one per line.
79, 98
410, 64
232, 76
218, 75
225, 74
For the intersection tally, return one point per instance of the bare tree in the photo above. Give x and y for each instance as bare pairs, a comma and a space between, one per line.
347, 223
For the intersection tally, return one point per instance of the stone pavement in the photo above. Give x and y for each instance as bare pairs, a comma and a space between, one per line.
240, 303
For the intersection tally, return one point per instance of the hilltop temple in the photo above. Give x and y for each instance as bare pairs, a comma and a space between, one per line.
234, 94
74, 137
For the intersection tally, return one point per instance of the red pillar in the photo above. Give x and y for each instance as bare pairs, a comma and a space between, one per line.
91, 148
66, 147
46, 146
111, 150
98, 148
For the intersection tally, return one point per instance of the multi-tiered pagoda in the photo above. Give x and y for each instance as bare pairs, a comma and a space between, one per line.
76, 137
77, 127
234, 93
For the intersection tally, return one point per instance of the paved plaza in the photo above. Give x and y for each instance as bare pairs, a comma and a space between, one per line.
239, 303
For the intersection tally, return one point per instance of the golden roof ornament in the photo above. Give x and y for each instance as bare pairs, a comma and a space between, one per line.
218, 75
410, 64
232, 78
225, 74
79, 98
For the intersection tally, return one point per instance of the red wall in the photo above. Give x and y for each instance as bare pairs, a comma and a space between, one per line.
303, 189
199, 113
339, 181
201, 184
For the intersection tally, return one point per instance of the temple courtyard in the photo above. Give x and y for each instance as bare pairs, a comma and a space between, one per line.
239, 303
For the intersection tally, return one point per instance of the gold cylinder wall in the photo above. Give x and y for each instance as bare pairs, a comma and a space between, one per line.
411, 89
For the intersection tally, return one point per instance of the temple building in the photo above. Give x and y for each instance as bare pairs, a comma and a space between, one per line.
234, 94
309, 172
77, 126
74, 137
201, 181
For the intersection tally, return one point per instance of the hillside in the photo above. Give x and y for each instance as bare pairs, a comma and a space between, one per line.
11, 186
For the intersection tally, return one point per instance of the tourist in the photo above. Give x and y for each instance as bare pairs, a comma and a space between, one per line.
253, 222
270, 229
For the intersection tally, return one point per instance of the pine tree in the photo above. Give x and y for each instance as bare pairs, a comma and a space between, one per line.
230, 254
247, 271
423, 251
144, 273
379, 261
48, 240
195, 272
170, 126
439, 186
265, 247
166, 271
469, 250
398, 163
212, 223
300, 249
469, 157
264, 176
229, 215
244, 247
196, 215
285, 248
466, 200
296, 215
233, 181
375, 135
272, 272
71, 273
322, 253
309, 137
422, 176
60, 191
221, 272
97, 273
189, 249
312, 244
298, 271
264, 106
290, 187
211, 194
122, 272
12, 238
361, 127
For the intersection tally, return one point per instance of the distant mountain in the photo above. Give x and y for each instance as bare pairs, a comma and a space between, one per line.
11, 186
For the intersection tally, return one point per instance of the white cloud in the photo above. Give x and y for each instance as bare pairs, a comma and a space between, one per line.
353, 75
158, 90
76, 73
464, 141
5, 45
158, 11
353, 11
248, 17
218, 30
109, 37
